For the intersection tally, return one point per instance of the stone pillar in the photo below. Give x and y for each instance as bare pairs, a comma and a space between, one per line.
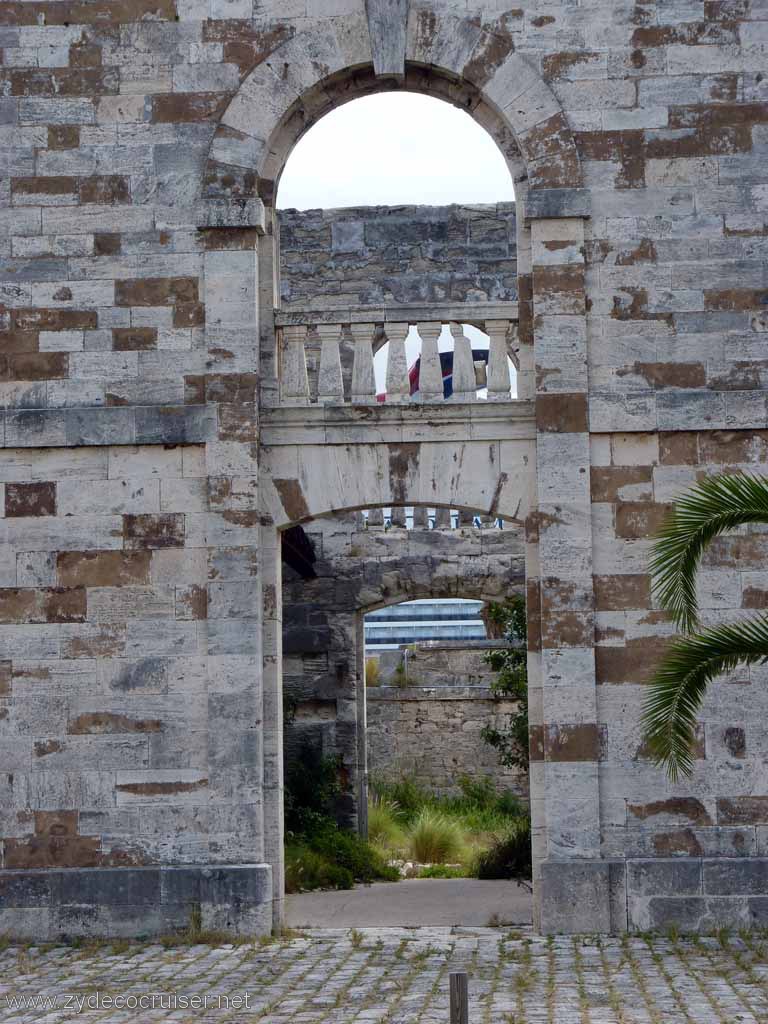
564, 734
272, 668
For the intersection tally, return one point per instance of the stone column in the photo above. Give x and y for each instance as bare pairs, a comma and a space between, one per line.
234, 590
564, 736
272, 669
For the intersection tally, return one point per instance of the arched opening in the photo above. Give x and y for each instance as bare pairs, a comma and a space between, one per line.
400, 200
336, 462
371, 740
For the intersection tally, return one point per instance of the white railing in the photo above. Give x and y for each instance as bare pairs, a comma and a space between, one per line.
422, 518
473, 380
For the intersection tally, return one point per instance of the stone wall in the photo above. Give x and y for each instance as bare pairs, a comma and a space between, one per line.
433, 735
402, 254
439, 663
141, 146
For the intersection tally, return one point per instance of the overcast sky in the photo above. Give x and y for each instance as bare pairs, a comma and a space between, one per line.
394, 148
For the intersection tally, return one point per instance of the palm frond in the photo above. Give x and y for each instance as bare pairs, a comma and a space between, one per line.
677, 690
713, 506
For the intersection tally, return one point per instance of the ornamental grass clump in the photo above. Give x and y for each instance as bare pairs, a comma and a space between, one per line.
434, 838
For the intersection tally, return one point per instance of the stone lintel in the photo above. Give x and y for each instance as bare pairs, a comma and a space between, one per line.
114, 425
557, 203
234, 212
131, 902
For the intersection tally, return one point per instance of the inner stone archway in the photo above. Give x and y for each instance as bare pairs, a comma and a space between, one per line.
358, 567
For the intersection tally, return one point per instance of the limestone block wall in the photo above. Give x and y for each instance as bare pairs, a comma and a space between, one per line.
134, 310
722, 811
403, 254
432, 734
103, 705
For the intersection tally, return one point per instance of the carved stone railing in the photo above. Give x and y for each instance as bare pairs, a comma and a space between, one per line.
423, 518
333, 347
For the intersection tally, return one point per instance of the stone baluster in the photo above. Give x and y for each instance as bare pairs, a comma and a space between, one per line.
330, 385
481, 374
421, 518
398, 517
464, 383
295, 382
430, 372
376, 519
498, 361
398, 384
363, 378
443, 519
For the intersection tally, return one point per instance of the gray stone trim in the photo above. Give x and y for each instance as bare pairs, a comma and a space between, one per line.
336, 424
66, 428
131, 902
554, 203
401, 694
234, 212
473, 313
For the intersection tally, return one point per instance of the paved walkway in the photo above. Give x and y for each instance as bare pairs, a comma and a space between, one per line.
418, 901
400, 976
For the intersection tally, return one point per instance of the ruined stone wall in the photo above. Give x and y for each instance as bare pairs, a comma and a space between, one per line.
637, 132
401, 254
359, 570
438, 663
433, 735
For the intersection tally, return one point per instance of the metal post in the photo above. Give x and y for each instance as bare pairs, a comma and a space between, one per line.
459, 992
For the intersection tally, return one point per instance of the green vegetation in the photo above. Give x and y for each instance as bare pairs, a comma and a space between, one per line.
319, 854
715, 505
435, 838
372, 672
508, 620
509, 856
481, 830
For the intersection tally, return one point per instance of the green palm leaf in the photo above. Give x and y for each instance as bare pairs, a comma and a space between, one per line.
677, 690
713, 506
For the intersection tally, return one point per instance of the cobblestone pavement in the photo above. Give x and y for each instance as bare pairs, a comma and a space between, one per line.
399, 976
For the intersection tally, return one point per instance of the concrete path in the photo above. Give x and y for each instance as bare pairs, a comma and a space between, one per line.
408, 904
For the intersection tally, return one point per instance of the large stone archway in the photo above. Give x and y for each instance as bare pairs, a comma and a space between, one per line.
143, 417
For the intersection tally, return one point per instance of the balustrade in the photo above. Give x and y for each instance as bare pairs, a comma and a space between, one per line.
473, 379
422, 518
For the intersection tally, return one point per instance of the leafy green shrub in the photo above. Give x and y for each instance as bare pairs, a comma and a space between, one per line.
478, 792
353, 853
509, 856
409, 796
319, 854
311, 788
305, 870
442, 871
509, 621
434, 838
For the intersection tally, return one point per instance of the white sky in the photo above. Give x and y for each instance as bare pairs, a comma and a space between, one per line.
394, 148
391, 149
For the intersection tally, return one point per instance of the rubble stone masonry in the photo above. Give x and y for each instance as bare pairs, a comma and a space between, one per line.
145, 474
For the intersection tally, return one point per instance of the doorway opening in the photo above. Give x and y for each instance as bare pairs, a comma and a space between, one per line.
391, 706
408, 244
